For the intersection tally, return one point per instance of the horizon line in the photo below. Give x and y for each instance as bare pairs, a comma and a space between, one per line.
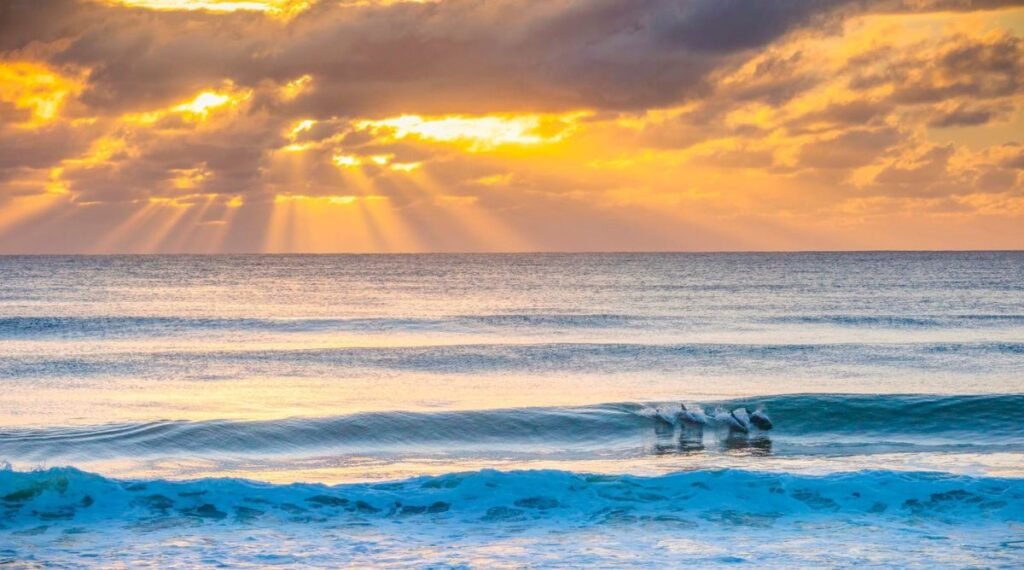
537, 252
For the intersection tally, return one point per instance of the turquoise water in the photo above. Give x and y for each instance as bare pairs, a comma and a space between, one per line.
511, 410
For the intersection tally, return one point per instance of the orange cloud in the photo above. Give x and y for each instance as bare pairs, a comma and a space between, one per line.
33, 93
206, 125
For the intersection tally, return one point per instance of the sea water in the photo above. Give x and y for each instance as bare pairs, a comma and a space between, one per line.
512, 410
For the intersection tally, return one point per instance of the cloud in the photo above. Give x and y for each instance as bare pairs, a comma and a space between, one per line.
734, 109
850, 149
964, 115
977, 67
1015, 160
725, 26
441, 57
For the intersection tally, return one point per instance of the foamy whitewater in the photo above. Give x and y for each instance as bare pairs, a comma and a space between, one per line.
512, 410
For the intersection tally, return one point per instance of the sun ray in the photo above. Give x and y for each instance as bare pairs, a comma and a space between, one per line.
119, 236
336, 223
484, 227
33, 209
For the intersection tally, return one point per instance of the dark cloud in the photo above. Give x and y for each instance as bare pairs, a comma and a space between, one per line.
24, 149
723, 26
996, 180
1015, 160
229, 152
23, 22
965, 115
38, 148
932, 175
929, 168
451, 56
979, 68
739, 158
853, 113
775, 80
902, 6
851, 149
9, 114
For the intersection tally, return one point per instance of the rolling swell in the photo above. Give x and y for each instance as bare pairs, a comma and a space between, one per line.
368, 432
115, 326
792, 359
981, 416
984, 420
902, 321
121, 326
697, 498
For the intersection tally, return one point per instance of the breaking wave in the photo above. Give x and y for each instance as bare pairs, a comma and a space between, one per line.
697, 497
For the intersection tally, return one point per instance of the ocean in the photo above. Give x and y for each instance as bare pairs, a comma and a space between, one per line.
512, 410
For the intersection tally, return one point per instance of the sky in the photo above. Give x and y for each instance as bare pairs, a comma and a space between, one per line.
205, 126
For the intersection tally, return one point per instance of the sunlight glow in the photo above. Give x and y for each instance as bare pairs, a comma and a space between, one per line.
189, 178
333, 200
36, 89
353, 161
272, 7
405, 166
197, 109
346, 160
275, 8
301, 126
296, 87
202, 104
477, 133
293, 133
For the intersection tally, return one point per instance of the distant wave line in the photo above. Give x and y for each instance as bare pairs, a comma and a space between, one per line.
978, 420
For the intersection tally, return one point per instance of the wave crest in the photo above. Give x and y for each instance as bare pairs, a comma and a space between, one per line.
704, 497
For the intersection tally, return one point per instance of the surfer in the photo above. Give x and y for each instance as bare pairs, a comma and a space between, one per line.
735, 420
691, 416
761, 420
743, 420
